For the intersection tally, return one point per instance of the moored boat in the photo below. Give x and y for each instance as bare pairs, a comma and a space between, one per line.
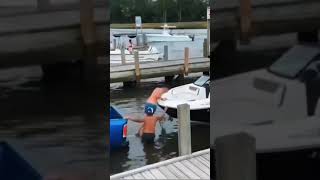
196, 94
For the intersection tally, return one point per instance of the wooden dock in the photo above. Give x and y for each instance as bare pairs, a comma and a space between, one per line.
127, 72
193, 166
263, 17
50, 34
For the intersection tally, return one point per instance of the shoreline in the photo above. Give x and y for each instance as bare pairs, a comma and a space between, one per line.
179, 25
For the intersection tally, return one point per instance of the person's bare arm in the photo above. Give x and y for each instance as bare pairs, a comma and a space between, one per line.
161, 117
138, 120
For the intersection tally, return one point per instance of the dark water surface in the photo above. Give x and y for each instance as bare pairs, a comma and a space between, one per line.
57, 127
131, 101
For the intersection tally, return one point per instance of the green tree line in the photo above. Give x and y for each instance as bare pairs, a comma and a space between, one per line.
124, 11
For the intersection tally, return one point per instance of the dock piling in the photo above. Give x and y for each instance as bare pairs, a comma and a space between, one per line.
137, 66
89, 39
114, 44
235, 157
205, 47
184, 131
165, 53
186, 61
123, 56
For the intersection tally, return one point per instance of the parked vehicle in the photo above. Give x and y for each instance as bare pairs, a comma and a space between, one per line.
118, 130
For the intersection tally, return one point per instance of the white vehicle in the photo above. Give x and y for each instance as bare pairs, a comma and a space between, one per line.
167, 36
196, 94
147, 55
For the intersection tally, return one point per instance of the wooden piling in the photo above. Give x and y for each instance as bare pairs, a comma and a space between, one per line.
235, 157
165, 53
89, 39
245, 21
137, 66
184, 129
144, 39
205, 47
123, 56
114, 44
186, 61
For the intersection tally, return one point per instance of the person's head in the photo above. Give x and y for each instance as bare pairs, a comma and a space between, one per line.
149, 111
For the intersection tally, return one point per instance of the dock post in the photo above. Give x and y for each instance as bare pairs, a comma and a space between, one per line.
205, 47
123, 56
137, 66
144, 39
184, 131
165, 58
89, 39
165, 53
114, 44
235, 156
186, 61
138, 40
245, 21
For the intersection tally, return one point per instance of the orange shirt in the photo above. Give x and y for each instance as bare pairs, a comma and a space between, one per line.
150, 123
156, 95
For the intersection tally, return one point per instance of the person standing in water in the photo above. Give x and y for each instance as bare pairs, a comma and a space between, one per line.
130, 46
148, 128
147, 133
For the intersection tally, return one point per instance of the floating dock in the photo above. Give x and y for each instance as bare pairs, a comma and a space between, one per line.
128, 72
193, 166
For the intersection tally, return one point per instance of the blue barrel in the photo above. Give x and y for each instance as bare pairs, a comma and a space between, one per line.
14, 167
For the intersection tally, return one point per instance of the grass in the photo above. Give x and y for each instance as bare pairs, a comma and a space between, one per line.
179, 25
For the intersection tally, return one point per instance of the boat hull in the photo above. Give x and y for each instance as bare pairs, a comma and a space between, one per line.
116, 58
166, 38
195, 115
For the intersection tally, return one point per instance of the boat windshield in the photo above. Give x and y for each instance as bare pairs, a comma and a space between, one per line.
202, 81
293, 62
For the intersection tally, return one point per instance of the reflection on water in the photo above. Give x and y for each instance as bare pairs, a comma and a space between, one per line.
131, 101
56, 127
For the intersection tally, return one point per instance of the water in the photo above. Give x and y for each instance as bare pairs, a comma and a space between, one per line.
131, 101
57, 127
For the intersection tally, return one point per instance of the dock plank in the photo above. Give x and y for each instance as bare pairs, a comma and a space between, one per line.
164, 170
148, 175
157, 173
138, 176
201, 166
177, 172
186, 170
203, 161
192, 166
195, 169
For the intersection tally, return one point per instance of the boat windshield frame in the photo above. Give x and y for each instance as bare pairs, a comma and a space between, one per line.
201, 81
288, 68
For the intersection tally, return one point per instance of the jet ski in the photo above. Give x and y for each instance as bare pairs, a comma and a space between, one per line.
196, 94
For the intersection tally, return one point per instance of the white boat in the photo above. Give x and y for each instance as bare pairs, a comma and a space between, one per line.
167, 36
196, 94
145, 55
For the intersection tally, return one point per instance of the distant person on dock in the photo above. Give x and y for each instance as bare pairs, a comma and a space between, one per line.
130, 46
148, 129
